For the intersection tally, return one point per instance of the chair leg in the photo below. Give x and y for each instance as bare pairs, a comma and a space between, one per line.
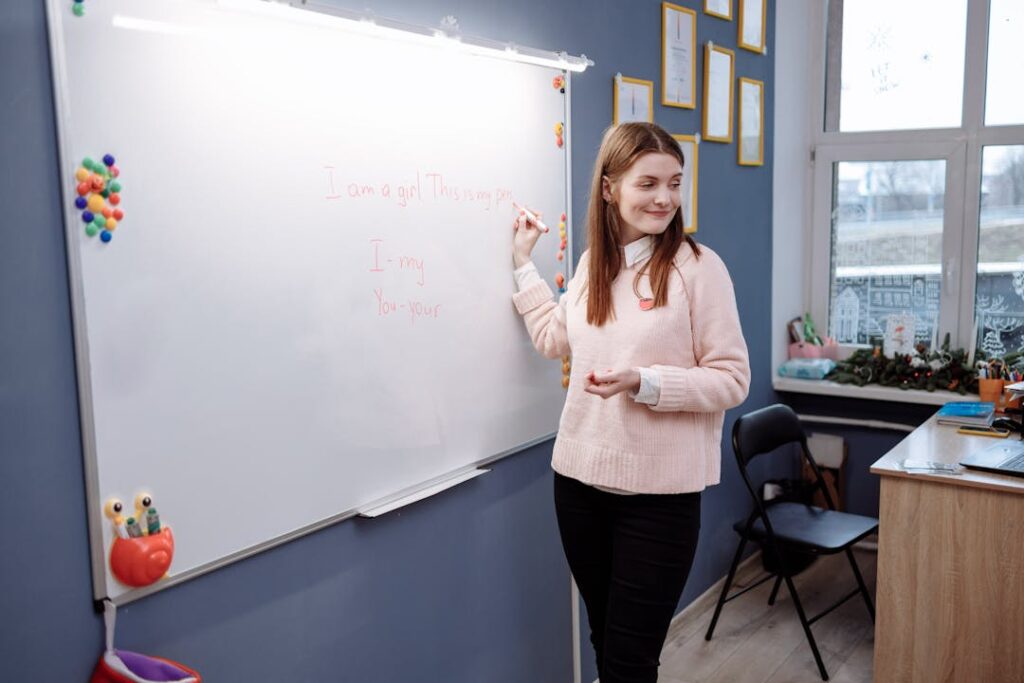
725, 588
860, 583
807, 628
775, 590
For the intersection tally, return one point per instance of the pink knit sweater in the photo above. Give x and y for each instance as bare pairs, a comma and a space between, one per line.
696, 344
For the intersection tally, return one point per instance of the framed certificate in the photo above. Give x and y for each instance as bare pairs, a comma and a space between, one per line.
633, 100
752, 25
750, 151
689, 144
719, 63
678, 56
719, 8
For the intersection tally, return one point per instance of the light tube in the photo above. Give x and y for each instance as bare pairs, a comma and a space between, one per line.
321, 14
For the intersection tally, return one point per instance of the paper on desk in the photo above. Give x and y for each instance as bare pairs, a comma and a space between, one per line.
920, 466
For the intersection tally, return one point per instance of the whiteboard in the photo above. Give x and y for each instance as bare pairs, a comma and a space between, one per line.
306, 309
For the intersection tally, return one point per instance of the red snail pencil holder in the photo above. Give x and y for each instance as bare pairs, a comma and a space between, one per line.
142, 551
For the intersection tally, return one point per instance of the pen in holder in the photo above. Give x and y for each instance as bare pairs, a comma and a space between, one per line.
991, 390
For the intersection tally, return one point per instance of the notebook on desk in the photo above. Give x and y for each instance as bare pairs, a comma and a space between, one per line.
974, 413
1006, 457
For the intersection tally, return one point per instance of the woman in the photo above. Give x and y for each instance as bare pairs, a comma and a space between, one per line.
657, 357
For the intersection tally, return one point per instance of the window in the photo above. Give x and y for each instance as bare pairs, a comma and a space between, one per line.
1004, 103
886, 248
896, 75
918, 195
999, 293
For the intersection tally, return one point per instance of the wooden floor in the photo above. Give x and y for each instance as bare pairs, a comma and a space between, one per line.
755, 643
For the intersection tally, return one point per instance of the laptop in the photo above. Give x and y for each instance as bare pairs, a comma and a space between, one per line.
1005, 457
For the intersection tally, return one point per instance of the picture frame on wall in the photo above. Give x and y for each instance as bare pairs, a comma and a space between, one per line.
750, 150
678, 56
719, 8
632, 100
690, 145
751, 26
719, 65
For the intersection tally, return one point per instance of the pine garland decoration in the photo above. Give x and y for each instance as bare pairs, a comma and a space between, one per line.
926, 370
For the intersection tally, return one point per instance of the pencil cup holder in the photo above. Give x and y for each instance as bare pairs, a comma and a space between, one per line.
991, 390
141, 561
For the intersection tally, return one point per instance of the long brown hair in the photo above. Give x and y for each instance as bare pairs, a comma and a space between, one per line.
621, 147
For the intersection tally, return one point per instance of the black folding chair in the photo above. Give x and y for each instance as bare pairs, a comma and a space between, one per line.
785, 527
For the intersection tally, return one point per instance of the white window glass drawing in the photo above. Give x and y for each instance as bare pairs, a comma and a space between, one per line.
887, 220
999, 293
902, 64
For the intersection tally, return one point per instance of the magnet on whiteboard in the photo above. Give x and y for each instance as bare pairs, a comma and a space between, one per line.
711, 45
696, 138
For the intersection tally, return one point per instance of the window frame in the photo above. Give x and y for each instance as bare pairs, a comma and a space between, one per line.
960, 147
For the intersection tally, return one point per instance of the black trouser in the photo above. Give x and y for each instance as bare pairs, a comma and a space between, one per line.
630, 556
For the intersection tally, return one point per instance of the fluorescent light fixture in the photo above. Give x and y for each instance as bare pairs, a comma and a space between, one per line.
137, 24
321, 14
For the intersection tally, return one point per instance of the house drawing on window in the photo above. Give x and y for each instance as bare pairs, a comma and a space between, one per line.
846, 316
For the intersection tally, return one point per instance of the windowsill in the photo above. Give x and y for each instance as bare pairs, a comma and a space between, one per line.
872, 392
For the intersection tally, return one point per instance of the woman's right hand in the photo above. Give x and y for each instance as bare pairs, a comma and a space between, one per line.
527, 232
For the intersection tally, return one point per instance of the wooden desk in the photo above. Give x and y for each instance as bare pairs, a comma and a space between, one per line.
950, 600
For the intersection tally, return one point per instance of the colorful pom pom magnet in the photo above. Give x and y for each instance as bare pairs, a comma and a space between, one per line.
98, 194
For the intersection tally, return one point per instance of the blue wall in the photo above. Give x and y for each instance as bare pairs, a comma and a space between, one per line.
467, 586
864, 445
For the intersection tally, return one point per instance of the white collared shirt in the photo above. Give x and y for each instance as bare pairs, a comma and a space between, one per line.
635, 252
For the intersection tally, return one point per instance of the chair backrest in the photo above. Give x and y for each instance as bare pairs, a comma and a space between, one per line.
765, 430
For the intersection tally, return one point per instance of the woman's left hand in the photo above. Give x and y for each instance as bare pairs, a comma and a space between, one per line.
607, 383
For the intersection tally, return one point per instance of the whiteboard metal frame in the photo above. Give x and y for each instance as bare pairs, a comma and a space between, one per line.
81, 341
83, 370
570, 267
